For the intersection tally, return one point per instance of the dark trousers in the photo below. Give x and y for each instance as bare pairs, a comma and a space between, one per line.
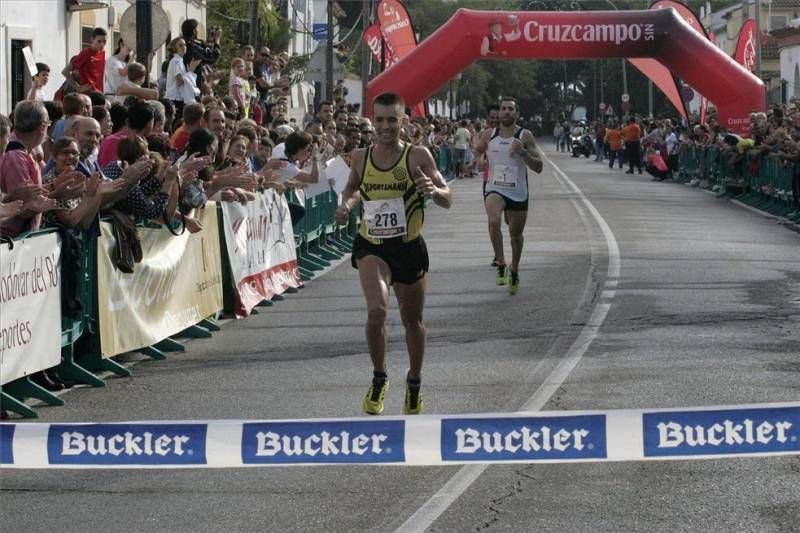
633, 155
616, 154
660, 175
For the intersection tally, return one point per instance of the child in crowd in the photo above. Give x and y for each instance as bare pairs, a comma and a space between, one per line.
181, 81
236, 86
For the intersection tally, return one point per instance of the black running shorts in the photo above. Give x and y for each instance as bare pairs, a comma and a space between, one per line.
511, 205
408, 261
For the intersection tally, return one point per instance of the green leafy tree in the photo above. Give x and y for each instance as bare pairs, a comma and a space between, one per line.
273, 30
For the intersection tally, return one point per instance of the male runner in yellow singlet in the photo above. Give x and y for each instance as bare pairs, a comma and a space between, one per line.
391, 179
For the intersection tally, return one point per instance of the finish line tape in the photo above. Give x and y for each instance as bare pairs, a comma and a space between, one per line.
534, 437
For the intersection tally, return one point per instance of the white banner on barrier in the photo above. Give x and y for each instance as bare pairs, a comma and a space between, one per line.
30, 306
177, 284
261, 249
538, 437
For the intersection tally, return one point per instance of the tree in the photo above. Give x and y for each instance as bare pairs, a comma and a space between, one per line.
273, 30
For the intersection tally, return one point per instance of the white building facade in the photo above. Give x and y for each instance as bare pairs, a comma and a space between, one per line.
56, 30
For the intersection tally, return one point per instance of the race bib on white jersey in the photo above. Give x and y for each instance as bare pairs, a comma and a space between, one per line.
385, 218
504, 176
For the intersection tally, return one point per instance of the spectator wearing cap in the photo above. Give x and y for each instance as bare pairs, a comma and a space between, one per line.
36, 94
90, 64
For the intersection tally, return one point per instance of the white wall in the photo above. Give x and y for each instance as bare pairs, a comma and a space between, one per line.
790, 58
44, 23
56, 34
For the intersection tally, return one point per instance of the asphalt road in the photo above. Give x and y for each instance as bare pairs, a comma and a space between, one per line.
705, 312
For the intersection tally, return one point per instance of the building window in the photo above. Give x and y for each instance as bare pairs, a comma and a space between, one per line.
20, 77
86, 36
777, 22
117, 37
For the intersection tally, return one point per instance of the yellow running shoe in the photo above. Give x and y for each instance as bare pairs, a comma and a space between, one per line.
413, 404
513, 283
373, 401
502, 274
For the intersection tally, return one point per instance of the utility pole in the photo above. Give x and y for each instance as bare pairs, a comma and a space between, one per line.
650, 98
366, 57
329, 55
254, 23
758, 46
602, 96
144, 33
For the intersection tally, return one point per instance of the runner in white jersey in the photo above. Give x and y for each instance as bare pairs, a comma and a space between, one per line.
510, 150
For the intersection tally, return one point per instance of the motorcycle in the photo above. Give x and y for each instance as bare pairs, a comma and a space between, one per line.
581, 145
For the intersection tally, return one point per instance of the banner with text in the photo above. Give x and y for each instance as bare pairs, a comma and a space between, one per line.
30, 299
260, 245
530, 437
177, 284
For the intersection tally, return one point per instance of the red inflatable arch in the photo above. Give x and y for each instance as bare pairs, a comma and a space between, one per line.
660, 34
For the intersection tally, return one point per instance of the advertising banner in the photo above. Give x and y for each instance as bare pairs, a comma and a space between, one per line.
30, 299
373, 38
398, 33
762, 430
261, 249
177, 284
746, 45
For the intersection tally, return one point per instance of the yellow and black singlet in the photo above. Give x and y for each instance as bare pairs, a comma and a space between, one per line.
392, 207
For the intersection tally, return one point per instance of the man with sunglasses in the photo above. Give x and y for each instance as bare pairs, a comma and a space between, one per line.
261, 73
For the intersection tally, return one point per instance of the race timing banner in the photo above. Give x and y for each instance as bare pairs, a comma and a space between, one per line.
536, 437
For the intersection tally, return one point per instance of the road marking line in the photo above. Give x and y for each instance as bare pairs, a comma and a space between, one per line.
437, 504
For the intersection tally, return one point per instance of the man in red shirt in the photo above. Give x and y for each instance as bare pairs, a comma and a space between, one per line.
20, 176
90, 64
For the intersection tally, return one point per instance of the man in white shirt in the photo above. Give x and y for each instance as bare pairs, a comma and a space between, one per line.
461, 140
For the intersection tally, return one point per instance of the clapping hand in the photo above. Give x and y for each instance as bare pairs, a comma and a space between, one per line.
10, 210
25, 193
40, 204
68, 185
137, 171
195, 162
110, 187
227, 195
93, 183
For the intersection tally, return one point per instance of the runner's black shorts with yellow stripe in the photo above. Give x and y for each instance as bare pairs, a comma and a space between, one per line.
408, 261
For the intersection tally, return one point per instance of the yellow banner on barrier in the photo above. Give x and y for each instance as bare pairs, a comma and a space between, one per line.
177, 284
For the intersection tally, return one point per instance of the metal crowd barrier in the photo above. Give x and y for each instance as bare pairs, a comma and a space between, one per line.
319, 240
758, 180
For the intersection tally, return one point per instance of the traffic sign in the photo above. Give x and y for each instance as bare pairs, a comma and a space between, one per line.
602, 106
626, 106
320, 32
626, 97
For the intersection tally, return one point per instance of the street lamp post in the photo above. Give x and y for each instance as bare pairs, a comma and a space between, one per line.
624, 61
